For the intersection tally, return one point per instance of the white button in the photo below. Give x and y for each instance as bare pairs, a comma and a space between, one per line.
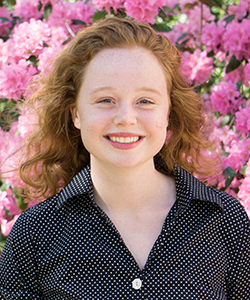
136, 283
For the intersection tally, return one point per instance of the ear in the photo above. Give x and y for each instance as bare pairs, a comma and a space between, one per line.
75, 116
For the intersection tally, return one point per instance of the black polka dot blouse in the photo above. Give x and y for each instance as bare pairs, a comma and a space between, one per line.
67, 248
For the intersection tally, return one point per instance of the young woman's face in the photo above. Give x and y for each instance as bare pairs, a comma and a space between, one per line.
123, 107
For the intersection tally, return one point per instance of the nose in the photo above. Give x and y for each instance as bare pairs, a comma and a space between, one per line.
125, 114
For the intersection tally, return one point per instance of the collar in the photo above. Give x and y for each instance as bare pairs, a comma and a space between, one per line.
187, 187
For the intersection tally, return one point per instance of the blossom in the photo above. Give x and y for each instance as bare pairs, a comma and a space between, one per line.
236, 39
80, 11
27, 122
14, 79
8, 201
224, 97
240, 10
46, 56
244, 189
194, 17
143, 10
175, 34
107, 4
197, 66
7, 52
243, 119
247, 71
64, 12
11, 154
27, 9
29, 38
239, 154
7, 225
212, 35
5, 25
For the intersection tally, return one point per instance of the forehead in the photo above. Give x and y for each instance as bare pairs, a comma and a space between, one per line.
136, 62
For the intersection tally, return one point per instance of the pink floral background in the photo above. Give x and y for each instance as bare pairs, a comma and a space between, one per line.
213, 37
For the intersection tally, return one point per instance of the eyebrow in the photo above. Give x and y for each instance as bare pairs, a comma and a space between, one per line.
145, 89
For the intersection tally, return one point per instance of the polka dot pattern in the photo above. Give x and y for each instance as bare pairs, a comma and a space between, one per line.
67, 248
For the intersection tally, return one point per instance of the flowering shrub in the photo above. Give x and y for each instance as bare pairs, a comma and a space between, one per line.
214, 40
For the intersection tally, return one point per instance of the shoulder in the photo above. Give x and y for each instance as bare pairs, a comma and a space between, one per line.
39, 216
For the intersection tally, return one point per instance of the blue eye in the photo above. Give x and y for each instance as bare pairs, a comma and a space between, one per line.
145, 101
105, 100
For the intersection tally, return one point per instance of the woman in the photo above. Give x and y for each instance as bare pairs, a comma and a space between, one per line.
117, 120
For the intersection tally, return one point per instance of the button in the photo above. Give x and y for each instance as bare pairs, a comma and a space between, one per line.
136, 283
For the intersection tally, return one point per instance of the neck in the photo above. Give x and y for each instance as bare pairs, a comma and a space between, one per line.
127, 189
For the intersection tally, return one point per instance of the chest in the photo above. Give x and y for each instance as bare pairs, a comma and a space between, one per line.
92, 261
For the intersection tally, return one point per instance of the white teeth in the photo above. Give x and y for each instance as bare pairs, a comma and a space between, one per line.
123, 140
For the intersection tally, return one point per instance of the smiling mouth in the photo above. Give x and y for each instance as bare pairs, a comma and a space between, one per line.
123, 140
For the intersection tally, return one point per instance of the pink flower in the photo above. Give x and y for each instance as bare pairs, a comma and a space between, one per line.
239, 154
29, 38
6, 225
212, 35
197, 66
243, 119
223, 134
7, 52
64, 12
79, 11
143, 10
8, 201
14, 79
107, 4
176, 33
247, 71
194, 17
27, 9
223, 97
244, 190
27, 122
239, 74
240, 10
236, 39
5, 25
11, 154
47, 55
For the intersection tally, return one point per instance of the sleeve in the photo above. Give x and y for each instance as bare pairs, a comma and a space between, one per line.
18, 272
238, 283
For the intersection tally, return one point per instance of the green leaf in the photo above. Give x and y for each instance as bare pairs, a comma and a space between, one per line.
40, 5
229, 174
243, 170
2, 106
4, 19
225, 120
78, 22
47, 10
99, 14
10, 104
188, 6
162, 14
20, 203
168, 9
34, 60
233, 64
210, 54
161, 27
229, 19
11, 2
4, 186
181, 37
